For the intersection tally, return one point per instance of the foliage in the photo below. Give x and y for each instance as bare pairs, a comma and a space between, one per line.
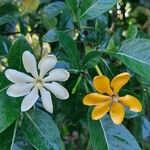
89, 37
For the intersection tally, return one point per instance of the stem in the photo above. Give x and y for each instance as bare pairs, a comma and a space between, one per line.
76, 85
14, 135
86, 86
98, 70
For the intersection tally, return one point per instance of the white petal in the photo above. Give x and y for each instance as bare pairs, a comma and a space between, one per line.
30, 100
29, 63
17, 90
46, 63
46, 100
57, 75
17, 77
58, 90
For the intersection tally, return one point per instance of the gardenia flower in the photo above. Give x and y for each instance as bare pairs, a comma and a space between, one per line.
111, 102
38, 84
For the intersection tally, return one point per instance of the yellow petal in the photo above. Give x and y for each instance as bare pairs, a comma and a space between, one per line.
117, 113
102, 85
100, 110
131, 102
119, 81
94, 99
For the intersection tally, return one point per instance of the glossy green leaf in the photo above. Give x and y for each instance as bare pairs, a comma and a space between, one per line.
55, 8
105, 135
97, 134
8, 13
41, 131
70, 49
91, 59
95, 8
15, 53
135, 54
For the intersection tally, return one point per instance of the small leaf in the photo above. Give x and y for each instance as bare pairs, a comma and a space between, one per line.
95, 8
111, 48
8, 13
105, 135
41, 131
55, 8
70, 49
132, 31
15, 53
50, 36
135, 54
91, 59
48, 22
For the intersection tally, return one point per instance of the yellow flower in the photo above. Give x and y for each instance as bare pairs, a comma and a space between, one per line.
111, 102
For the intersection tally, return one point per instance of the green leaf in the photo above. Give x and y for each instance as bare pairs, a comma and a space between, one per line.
105, 135
4, 83
97, 134
91, 59
95, 8
6, 138
9, 107
9, 110
50, 36
15, 53
135, 54
70, 49
41, 131
8, 13
72, 5
111, 48
132, 31
48, 22
53, 9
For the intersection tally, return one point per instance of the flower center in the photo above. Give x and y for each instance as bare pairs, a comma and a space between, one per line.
39, 83
115, 97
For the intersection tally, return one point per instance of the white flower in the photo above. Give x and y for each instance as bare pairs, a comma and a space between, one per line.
32, 86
